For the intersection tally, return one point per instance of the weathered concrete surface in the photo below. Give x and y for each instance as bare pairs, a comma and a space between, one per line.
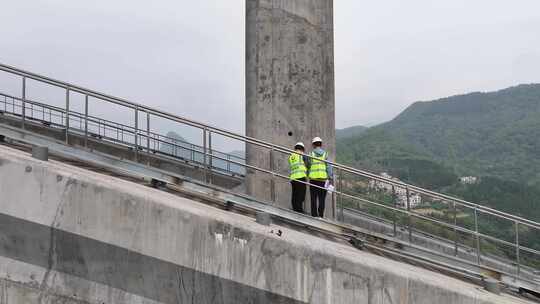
72, 236
289, 82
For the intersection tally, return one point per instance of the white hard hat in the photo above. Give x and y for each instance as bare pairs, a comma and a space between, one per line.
316, 140
300, 144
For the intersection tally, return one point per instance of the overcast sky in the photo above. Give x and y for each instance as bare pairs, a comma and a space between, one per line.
187, 57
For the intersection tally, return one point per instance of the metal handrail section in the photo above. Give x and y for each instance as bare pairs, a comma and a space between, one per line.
254, 141
116, 125
107, 125
209, 154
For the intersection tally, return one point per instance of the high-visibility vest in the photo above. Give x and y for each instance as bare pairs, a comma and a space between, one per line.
317, 170
297, 166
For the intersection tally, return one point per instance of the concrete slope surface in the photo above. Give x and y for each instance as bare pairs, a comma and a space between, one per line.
68, 235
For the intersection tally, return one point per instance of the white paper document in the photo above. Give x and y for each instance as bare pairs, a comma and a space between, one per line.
329, 187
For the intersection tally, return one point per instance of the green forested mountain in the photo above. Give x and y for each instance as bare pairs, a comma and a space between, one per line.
350, 132
494, 134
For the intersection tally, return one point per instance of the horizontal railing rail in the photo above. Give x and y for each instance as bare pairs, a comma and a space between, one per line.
403, 215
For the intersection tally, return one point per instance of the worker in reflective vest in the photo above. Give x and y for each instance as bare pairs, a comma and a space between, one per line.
320, 176
298, 177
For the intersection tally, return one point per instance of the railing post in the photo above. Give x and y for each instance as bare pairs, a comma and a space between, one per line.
340, 194
518, 262
477, 236
456, 236
136, 134
204, 156
409, 213
148, 134
67, 115
394, 202
334, 202
23, 110
210, 158
86, 121
272, 180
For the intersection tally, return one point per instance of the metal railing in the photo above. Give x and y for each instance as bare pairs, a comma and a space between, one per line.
91, 127
466, 226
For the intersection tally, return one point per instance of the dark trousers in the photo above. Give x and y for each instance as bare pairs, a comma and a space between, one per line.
317, 195
298, 194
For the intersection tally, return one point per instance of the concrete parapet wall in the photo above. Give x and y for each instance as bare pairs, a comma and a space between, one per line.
72, 236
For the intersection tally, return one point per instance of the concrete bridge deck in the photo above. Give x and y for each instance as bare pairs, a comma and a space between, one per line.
69, 235
125, 144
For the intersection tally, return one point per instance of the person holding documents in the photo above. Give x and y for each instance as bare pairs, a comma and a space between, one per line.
320, 177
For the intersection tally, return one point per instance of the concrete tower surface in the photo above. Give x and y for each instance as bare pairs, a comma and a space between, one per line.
289, 84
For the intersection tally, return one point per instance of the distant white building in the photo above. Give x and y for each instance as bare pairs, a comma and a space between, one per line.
468, 180
415, 200
379, 185
386, 175
401, 193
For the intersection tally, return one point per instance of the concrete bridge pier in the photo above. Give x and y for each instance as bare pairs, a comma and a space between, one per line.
289, 84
